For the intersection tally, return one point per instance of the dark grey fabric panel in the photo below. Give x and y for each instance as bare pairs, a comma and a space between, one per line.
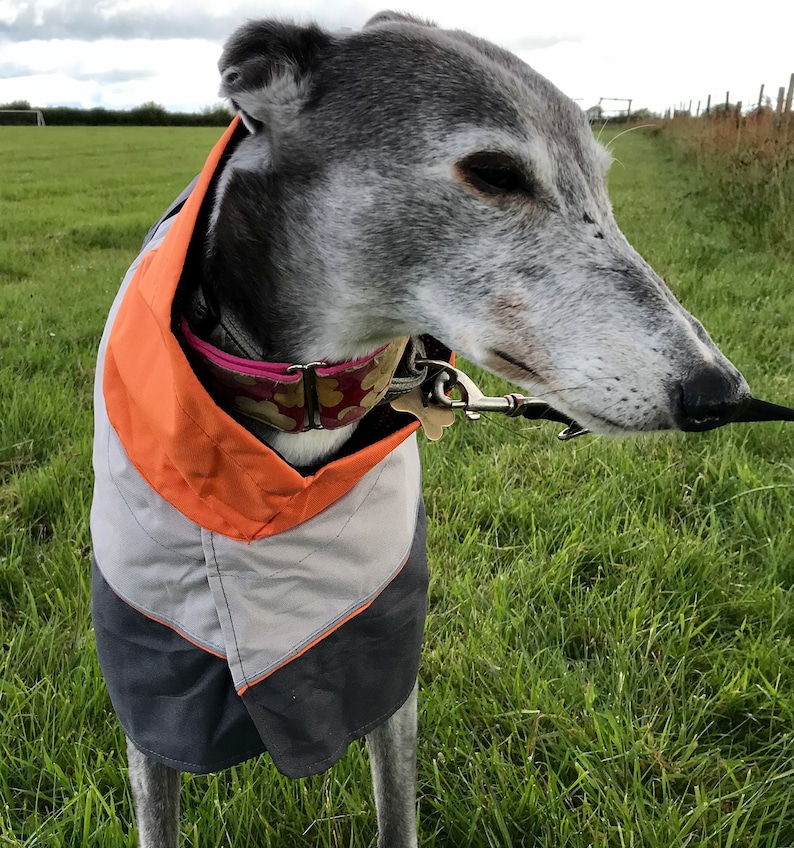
175, 701
310, 710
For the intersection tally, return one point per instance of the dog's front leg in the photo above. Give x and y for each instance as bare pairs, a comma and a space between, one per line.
392, 751
155, 795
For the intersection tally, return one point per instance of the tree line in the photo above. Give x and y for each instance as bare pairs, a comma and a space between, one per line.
145, 115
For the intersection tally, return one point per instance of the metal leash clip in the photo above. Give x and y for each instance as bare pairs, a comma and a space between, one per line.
472, 401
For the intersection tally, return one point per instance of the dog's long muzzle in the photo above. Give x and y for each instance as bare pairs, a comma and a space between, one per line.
472, 401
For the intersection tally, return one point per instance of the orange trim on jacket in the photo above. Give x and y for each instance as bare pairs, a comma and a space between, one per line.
192, 453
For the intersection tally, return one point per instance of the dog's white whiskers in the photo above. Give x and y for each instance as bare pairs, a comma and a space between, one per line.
628, 130
601, 131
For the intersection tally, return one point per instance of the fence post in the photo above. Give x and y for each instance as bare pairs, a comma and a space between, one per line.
761, 98
708, 105
781, 96
788, 100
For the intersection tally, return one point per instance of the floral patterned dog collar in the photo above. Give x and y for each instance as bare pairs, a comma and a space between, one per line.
296, 398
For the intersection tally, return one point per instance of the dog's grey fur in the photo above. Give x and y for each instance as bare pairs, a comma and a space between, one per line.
406, 179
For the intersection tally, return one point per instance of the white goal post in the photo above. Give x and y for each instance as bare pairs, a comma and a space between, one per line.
37, 112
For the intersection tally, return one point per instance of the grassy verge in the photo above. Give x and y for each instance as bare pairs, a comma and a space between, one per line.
747, 169
609, 657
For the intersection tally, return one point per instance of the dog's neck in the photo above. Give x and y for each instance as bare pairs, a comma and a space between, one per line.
226, 332
280, 282
265, 297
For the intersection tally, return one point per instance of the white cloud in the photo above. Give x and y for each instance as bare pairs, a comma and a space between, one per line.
116, 74
87, 20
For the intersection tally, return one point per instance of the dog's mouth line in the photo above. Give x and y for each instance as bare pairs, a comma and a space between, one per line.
531, 372
518, 364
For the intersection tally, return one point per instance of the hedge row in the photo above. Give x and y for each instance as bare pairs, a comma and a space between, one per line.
146, 115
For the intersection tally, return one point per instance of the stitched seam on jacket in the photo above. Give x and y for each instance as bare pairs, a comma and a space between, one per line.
353, 611
254, 752
177, 627
341, 530
132, 511
228, 610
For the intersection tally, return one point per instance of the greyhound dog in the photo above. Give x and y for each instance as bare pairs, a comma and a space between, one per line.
409, 181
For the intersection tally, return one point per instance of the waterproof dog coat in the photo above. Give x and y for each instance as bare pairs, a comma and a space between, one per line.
239, 605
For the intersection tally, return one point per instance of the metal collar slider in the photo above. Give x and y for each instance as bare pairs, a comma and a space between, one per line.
310, 399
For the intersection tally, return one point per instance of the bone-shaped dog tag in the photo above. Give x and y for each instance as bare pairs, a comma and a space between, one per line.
432, 418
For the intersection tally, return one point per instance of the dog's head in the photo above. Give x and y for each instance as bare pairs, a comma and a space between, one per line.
405, 179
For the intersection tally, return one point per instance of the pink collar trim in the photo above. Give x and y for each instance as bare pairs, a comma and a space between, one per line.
296, 398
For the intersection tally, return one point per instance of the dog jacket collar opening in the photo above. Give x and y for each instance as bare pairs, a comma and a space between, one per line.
203, 462
297, 398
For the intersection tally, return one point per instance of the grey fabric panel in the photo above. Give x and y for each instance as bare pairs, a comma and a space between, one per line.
279, 594
149, 553
258, 603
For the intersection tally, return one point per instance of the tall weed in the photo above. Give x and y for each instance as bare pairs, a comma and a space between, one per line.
747, 167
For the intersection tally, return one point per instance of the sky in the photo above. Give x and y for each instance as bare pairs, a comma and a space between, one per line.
121, 53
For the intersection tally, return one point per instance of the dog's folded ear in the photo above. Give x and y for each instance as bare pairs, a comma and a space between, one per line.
266, 68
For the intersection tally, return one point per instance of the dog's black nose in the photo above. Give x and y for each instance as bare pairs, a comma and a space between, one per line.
710, 397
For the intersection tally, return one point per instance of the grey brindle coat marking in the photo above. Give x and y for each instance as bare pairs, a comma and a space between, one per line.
403, 180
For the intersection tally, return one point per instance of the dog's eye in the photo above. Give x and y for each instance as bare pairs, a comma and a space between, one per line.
494, 173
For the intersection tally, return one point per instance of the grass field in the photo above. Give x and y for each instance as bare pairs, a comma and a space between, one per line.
610, 645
